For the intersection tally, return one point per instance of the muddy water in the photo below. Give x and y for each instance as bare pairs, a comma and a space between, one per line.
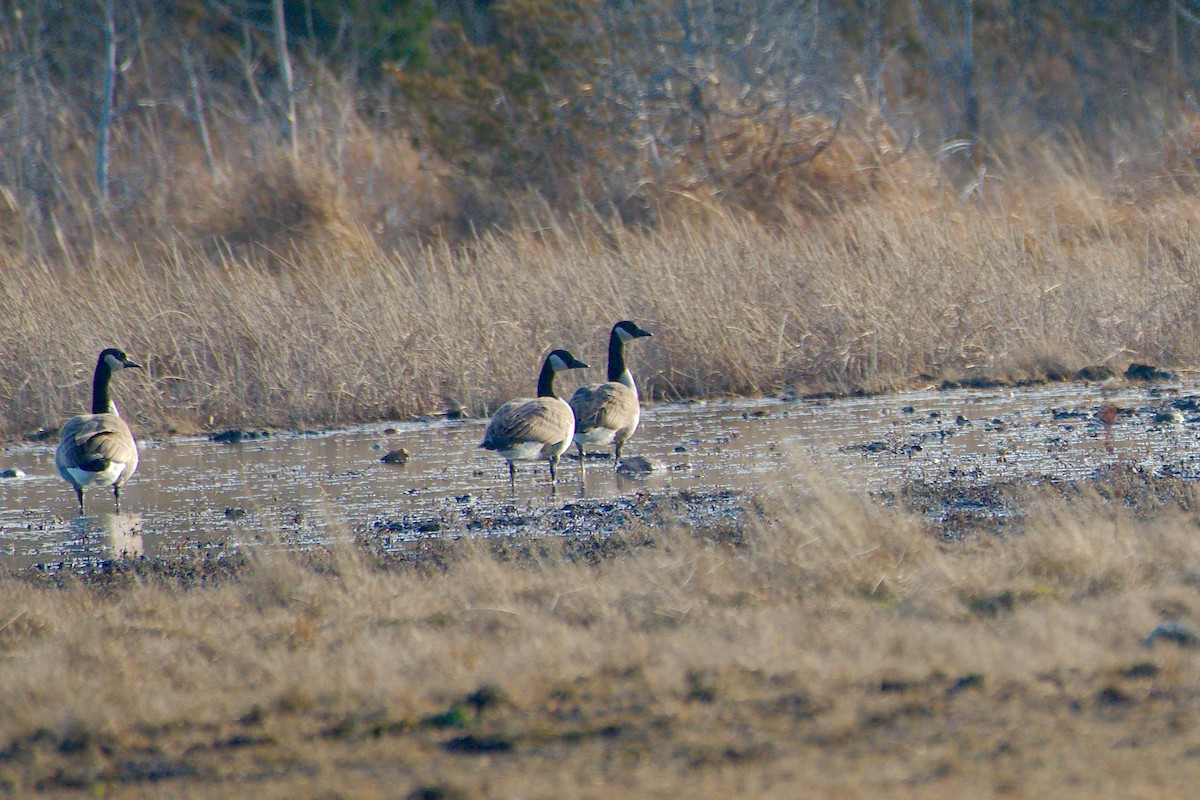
302, 489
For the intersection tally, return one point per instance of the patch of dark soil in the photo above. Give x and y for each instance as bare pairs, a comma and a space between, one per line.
1173, 632
966, 506
1190, 403
236, 435
962, 506
1031, 375
474, 745
1094, 372
436, 793
700, 510
906, 445
1146, 372
973, 382
579, 531
203, 568
1139, 489
152, 770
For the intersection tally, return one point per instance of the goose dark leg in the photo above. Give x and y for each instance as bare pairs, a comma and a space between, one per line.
582, 457
616, 455
512, 478
79, 494
554, 475
117, 497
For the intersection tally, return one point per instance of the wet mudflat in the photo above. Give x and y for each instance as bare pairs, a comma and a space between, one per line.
950, 454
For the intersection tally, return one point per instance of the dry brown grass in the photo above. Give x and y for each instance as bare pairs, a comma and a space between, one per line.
836, 650
331, 329
818, 257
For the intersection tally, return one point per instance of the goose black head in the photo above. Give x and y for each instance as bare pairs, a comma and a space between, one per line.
115, 359
562, 359
628, 329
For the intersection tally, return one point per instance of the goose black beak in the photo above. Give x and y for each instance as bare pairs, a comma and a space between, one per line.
129, 362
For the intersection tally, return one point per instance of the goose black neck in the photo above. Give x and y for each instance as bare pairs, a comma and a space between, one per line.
546, 380
616, 357
100, 398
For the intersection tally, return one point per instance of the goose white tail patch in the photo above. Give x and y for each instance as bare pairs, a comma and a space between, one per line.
525, 451
595, 437
105, 477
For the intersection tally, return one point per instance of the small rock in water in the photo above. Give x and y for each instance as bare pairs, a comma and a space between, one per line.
39, 435
1169, 416
637, 465
235, 513
1146, 372
13, 472
1095, 372
233, 436
396, 457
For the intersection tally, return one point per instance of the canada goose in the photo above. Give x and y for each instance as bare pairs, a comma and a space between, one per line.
533, 429
98, 449
608, 413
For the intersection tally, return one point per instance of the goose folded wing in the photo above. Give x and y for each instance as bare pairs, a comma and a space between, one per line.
538, 420
604, 405
99, 440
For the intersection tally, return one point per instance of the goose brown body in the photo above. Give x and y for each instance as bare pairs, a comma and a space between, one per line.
608, 413
535, 428
531, 429
98, 449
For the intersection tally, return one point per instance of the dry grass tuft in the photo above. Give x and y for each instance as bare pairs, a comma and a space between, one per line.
274, 208
802, 165
837, 640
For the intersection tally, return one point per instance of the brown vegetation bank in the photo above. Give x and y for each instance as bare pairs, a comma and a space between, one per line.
901, 290
830, 647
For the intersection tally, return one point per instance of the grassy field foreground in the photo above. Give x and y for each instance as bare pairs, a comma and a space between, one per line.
911, 286
834, 648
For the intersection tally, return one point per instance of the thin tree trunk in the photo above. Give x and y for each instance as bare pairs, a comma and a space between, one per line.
970, 92
1174, 34
198, 106
285, 69
106, 102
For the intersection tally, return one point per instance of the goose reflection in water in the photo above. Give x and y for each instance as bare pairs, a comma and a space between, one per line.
107, 536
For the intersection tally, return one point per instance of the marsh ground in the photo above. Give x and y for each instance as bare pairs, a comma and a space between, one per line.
820, 644
981, 636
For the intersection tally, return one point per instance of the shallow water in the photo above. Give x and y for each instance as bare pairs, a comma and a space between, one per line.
317, 488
